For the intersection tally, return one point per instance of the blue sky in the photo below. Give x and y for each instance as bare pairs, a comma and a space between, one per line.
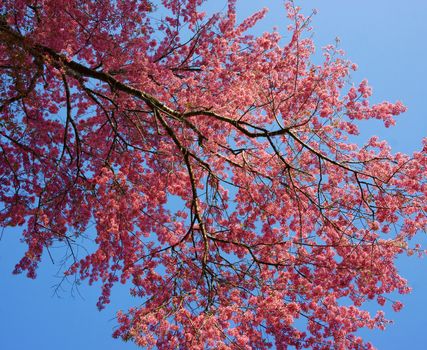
387, 41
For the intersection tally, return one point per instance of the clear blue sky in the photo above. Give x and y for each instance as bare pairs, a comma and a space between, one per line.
386, 38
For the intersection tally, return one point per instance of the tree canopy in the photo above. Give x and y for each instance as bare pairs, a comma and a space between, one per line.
212, 170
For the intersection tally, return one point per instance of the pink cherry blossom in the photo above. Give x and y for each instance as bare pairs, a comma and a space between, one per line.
208, 169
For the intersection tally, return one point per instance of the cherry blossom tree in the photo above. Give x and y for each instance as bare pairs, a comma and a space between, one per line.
210, 170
